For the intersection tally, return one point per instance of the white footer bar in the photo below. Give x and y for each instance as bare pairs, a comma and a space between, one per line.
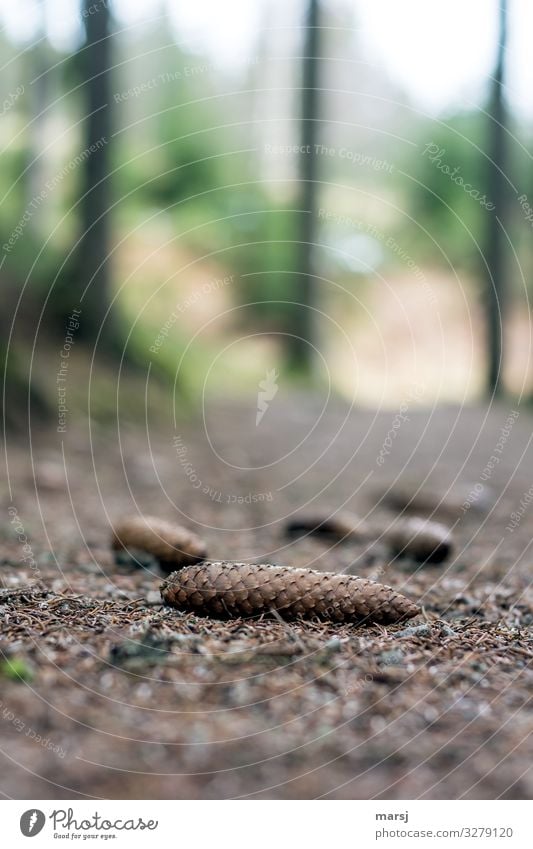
267, 824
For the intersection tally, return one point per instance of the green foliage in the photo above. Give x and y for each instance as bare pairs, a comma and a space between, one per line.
185, 171
437, 201
16, 669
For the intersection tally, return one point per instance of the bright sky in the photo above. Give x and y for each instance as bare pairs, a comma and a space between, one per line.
439, 52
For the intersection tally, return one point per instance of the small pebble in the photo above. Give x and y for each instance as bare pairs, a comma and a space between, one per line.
414, 631
334, 644
153, 597
394, 657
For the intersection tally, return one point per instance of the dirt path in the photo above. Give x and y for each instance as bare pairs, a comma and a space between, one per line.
124, 698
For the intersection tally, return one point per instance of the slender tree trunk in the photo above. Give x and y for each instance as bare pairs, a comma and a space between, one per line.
301, 353
93, 267
497, 192
38, 98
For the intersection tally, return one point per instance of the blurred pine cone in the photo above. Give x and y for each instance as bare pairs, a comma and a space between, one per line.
172, 545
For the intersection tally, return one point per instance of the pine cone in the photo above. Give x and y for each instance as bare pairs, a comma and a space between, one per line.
421, 539
450, 504
221, 589
335, 526
428, 542
172, 545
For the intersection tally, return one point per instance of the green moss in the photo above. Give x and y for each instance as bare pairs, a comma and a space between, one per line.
16, 669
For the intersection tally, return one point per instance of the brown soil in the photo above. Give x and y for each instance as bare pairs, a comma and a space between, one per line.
107, 693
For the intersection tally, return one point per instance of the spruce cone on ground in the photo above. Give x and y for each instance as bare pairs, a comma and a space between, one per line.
428, 542
450, 504
421, 539
220, 589
172, 545
336, 526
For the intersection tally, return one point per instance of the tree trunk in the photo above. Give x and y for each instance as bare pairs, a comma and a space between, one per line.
35, 175
301, 352
497, 192
93, 266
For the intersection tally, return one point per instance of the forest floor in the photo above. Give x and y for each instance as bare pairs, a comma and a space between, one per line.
106, 693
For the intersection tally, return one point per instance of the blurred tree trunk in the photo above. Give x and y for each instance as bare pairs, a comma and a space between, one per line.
93, 263
301, 353
497, 191
37, 61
